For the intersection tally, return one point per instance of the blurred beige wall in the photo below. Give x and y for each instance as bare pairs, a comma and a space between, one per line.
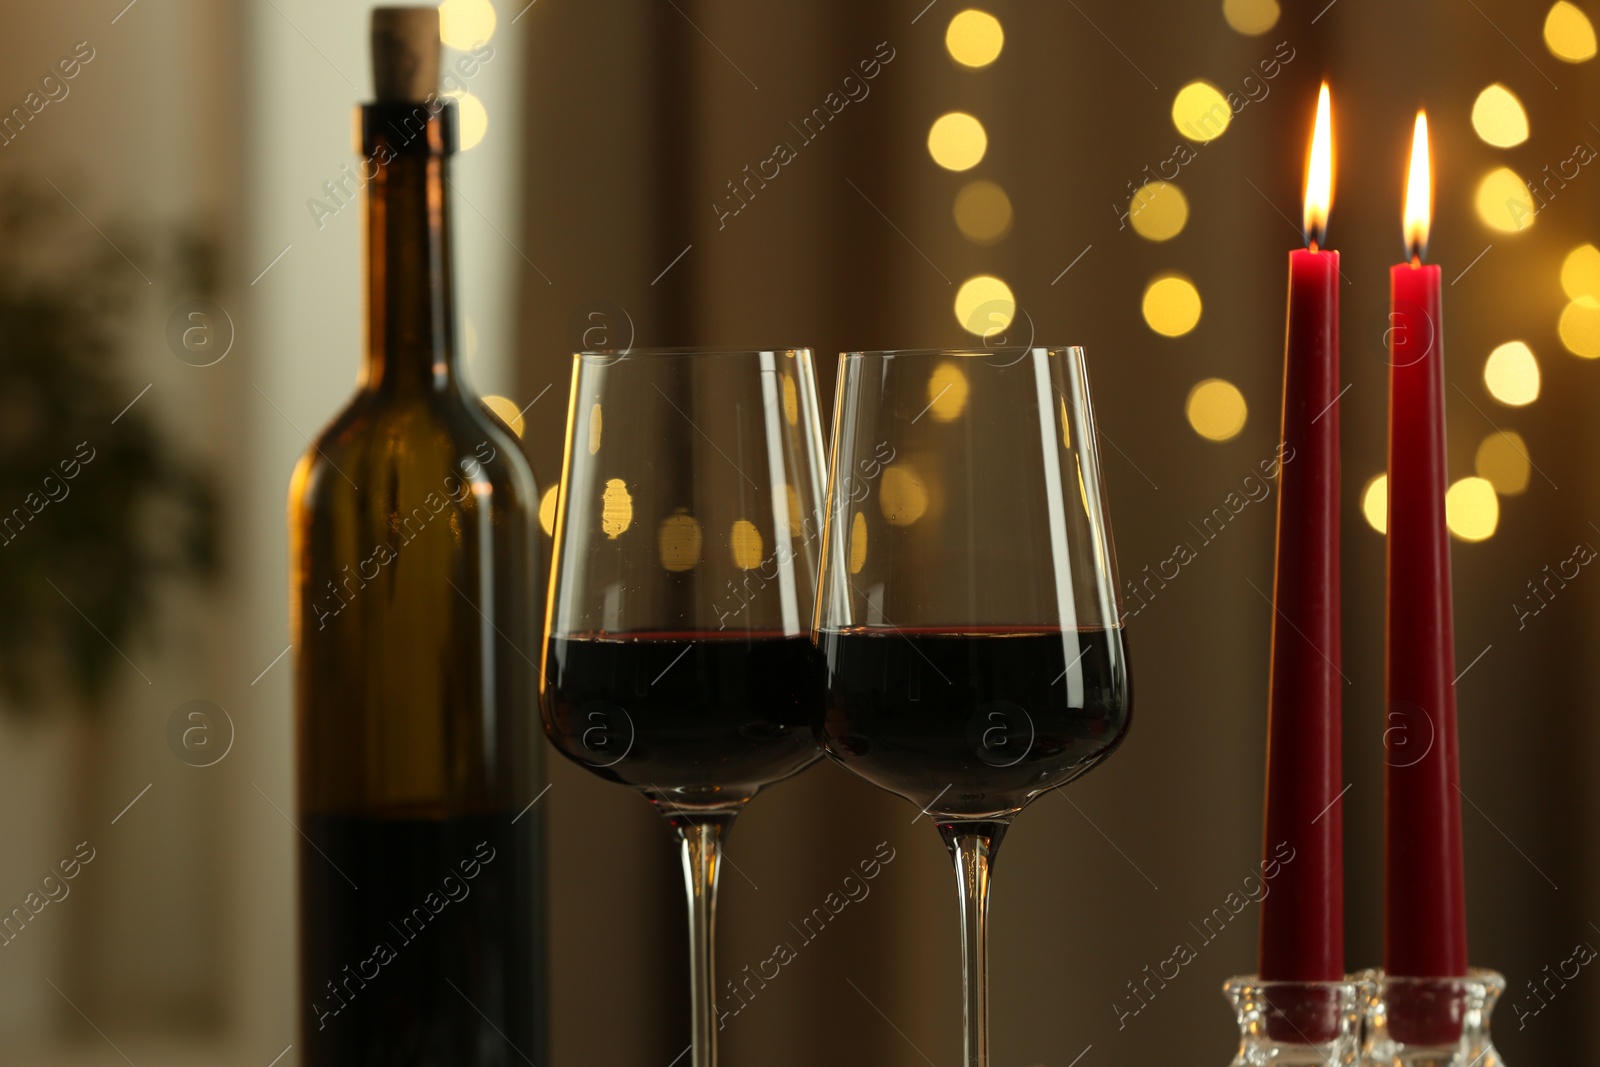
145, 139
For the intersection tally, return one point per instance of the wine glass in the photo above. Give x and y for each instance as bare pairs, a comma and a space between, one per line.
968, 607
688, 533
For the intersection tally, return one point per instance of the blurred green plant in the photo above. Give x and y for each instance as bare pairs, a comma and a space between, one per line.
97, 516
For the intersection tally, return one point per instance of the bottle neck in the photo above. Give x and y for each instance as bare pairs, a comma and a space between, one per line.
410, 327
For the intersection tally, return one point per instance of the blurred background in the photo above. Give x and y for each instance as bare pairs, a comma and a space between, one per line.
1060, 172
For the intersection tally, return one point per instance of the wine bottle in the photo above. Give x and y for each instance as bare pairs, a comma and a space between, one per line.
415, 616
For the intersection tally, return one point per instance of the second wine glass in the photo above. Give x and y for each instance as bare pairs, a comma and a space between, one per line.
968, 602
687, 539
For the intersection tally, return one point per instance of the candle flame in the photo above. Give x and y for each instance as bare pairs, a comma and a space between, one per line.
1419, 192
1319, 173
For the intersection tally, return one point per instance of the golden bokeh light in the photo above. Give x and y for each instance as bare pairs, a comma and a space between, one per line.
616, 508
858, 543
902, 497
1216, 409
957, 141
1172, 305
1200, 111
595, 426
472, 119
1498, 117
974, 38
1580, 272
466, 23
1251, 17
678, 541
791, 402
1580, 327
547, 510
947, 392
983, 212
1568, 33
1158, 211
1502, 461
1375, 502
1511, 374
1504, 202
506, 410
792, 499
744, 541
1471, 509
984, 305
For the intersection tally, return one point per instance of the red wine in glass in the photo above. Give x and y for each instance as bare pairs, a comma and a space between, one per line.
702, 714
974, 721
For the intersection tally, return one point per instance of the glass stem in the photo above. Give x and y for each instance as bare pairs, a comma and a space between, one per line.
973, 845
701, 839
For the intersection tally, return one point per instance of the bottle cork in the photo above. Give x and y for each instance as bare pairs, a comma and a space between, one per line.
405, 53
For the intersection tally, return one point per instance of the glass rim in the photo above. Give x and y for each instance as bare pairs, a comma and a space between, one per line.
692, 350
1254, 981
1483, 975
891, 353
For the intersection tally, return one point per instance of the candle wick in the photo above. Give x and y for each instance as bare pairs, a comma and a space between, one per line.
1416, 260
1313, 245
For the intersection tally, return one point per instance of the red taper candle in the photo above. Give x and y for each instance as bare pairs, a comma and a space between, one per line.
1425, 926
1302, 919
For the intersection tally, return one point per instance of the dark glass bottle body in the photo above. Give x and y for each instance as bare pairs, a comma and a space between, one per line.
414, 612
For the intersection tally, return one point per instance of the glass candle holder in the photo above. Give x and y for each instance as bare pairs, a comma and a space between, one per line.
1431, 1022
1297, 1024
